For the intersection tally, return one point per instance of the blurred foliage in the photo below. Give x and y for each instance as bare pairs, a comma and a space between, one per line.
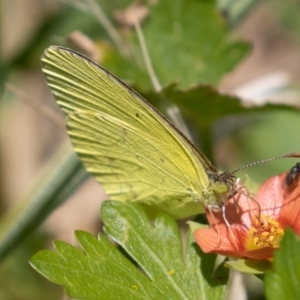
287, 13
191, 47
235, 11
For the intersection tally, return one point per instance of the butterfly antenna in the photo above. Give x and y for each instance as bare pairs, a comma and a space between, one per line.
292, 155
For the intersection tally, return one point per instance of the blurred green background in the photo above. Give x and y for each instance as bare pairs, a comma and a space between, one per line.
248, 49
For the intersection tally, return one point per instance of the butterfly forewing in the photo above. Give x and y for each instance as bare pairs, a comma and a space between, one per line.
133, 151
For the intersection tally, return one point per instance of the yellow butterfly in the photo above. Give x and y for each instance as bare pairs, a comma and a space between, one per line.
126, 144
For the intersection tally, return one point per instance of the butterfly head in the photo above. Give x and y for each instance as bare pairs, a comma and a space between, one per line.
224, 185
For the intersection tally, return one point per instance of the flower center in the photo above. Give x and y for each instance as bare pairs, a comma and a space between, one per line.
266, 232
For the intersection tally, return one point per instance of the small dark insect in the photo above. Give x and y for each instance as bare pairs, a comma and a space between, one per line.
293, 174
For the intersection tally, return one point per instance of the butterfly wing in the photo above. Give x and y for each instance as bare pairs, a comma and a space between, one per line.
129, 147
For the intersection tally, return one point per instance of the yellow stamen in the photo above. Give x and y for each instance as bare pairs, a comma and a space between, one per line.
265, 232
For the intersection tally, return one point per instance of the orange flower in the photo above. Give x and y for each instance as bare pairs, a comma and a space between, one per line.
253, 233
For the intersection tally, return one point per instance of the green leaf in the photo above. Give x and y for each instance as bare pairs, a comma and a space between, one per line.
204, 104
251, 266
100, 271
195, 225
162, 245
189, 41
283, 281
